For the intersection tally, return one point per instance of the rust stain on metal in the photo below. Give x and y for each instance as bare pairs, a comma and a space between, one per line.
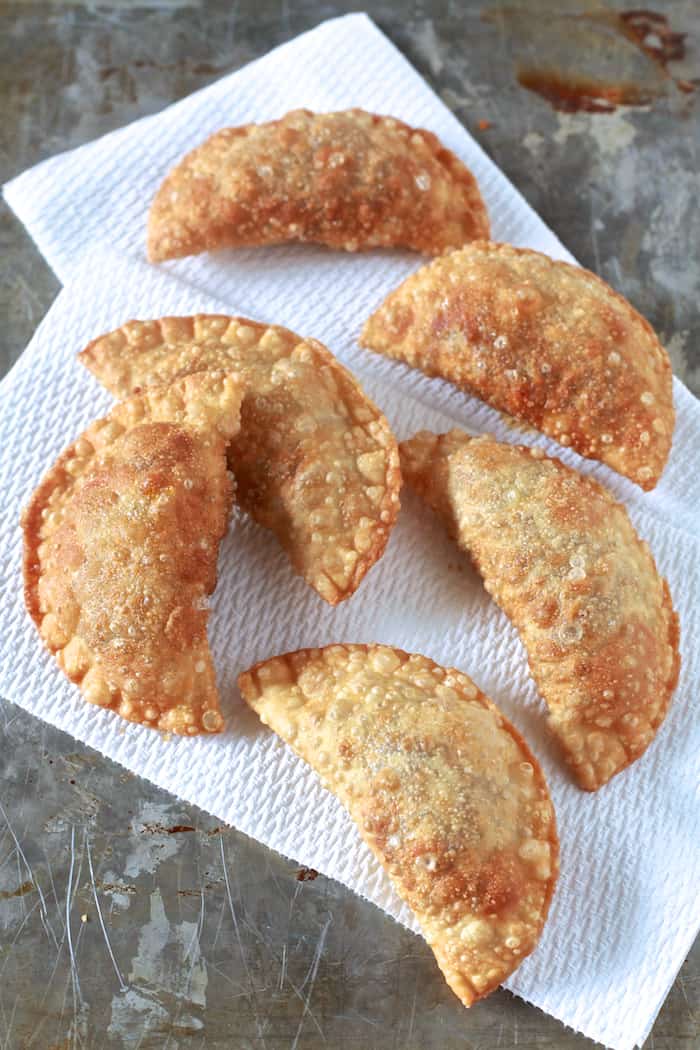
116, 887
206, 69
198, 68
161, 829
569, 93
654, 35
306, 875
595, 60
26, 887
198, 891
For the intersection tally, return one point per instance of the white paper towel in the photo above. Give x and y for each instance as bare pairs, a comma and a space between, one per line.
626, 910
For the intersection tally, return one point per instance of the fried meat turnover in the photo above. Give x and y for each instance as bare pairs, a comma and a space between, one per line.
444, 790
314, 460
543, 341
120, 547
350, 180
561, 558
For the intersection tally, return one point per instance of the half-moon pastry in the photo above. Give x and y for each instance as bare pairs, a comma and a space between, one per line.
120, 546
315, 461
561, 558
543, 341
444, 791
350, 180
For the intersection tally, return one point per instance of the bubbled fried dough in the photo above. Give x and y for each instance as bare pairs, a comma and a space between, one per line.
350, 180
546, 342
561, 558
444, 790
314, 461
120, 546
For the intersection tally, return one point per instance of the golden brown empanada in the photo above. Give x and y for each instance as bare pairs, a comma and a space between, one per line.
444, 790
120, 546
350, 180
314, 461
545, 342
561, 558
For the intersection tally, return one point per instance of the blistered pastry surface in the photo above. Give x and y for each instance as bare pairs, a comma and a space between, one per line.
351, 180
121, 541
543, 341
443, 789
315, 460
562, 559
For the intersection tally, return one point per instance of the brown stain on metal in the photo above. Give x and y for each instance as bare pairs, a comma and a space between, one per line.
654, 35
116, 887
307, 875
569, 93
572, 88
198, 892
161, 829
199, 68
26, 887
206, 69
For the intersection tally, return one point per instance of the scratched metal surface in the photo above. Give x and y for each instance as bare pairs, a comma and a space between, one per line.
126, 918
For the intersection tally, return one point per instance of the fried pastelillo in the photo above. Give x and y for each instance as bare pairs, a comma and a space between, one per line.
315, 461
561, 558
444, 790
543, 341
120, 547
350, 180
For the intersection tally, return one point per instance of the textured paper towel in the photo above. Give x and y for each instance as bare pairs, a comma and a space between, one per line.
626, 910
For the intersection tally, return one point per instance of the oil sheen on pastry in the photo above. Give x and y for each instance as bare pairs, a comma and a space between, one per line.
561, 558
350, 180
543, 341
315, 461
443, 789
120, 547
